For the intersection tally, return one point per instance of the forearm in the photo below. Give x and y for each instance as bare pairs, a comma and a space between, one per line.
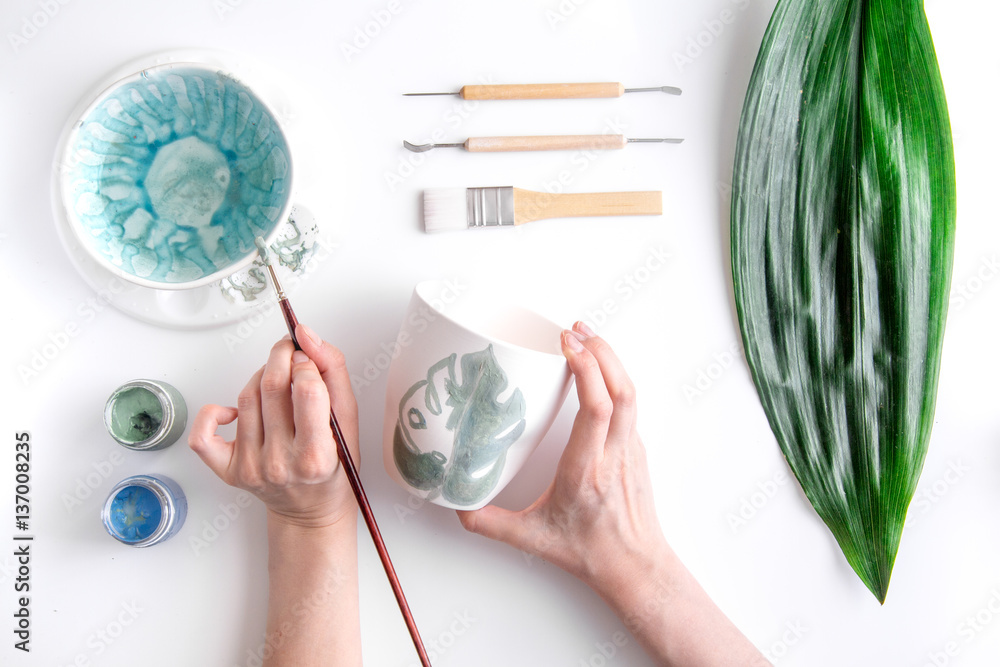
672, 616
312, 615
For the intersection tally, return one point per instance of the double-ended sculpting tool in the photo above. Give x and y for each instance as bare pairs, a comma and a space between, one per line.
549, 91
462, 208
566, 142
349, 468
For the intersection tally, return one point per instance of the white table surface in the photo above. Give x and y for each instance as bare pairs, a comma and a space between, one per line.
780, 576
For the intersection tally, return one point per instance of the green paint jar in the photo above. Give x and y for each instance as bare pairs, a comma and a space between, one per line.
145, 415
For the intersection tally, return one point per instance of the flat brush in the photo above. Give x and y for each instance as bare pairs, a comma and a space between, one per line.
549, 91
347, 461
565, 142
460, 208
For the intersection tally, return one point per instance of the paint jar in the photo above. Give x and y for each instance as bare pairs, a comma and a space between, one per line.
145, 415
144, 510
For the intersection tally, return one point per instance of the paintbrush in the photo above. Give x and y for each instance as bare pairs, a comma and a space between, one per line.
460, 208
347, 461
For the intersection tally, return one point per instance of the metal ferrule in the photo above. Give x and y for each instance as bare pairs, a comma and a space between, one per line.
490, 207
274, 281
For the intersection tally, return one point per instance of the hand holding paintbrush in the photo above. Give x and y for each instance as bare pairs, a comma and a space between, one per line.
283, 453
349, 468
280, 456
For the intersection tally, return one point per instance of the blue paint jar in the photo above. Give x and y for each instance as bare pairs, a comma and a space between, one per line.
144, 510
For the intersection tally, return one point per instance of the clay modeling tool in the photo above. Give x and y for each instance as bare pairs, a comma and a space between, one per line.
548, 91
347, 461
568, 142
460, 208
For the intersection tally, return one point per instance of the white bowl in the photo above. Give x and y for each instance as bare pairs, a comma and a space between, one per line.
474, 386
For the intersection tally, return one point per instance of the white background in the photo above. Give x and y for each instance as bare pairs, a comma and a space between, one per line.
780, 575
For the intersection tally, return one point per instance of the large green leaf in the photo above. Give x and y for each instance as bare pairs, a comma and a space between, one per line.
843, 222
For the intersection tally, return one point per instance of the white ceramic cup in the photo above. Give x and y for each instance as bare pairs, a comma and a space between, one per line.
474, 386
167, 175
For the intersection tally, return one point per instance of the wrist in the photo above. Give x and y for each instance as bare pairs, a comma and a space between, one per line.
299, 526
312, 551
637, 583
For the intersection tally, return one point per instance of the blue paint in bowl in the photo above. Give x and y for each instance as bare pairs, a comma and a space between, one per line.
135, 513
171, 174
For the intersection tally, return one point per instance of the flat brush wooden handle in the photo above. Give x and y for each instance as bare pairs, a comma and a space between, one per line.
570, 142
542, 91
530, 205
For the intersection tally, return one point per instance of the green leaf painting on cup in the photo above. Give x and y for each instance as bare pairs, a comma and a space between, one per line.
483, 428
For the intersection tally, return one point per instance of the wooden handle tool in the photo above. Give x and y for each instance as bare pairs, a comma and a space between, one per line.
549, 91
542, 91
545, 143
540, 143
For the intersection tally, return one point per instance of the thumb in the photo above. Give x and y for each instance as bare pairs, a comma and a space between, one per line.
498, 524
213, 449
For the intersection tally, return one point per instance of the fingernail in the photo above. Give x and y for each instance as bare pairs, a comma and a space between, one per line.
299, 357
572, 341
585, 330
312, 335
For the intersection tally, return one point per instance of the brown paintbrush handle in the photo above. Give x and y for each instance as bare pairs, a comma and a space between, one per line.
530, 205
542, 91
351, 470
570, 142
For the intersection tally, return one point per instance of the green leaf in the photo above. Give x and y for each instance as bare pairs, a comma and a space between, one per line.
483, 428
421, 470
843, 221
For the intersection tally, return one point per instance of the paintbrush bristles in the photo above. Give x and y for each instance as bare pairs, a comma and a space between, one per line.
445, 209
265, 252
267, 257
